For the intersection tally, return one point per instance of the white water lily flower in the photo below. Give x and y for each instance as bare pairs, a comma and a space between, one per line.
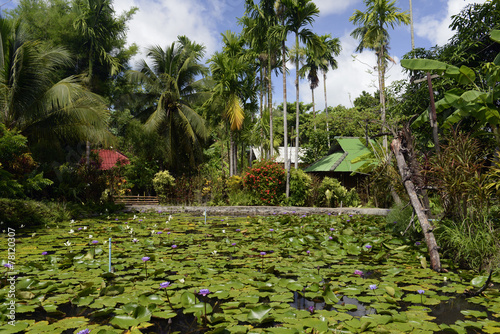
22, 225
182, 280
90, 236
85, 227
214, 252
135, 240
155, 225
170, 217
153, 232
71, 231
223, 231
67, 243
135, 217
72, 221
33, 235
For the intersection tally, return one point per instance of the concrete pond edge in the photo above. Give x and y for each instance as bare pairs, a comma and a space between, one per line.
243, 211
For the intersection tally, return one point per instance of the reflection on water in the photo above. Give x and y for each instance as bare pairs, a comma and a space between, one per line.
302, 303
445, 313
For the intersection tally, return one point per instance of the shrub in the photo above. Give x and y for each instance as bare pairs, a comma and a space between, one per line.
332, 193
300, 187
16, 212
163, 184
476, 249
265, 182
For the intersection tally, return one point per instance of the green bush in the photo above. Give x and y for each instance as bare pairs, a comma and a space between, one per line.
163, 184
331, 193
17, 212
300, 187
265, 182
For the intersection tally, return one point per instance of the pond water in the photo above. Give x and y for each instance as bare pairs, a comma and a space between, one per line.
279, 274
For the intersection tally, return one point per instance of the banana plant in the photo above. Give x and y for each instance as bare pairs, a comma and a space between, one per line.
478, 102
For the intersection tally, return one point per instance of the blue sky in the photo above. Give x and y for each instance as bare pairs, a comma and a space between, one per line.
159, 22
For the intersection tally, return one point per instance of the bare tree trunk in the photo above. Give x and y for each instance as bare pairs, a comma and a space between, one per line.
297, 103
434, 123
314, 109
270, 101
427, 229
326, 109
285, 126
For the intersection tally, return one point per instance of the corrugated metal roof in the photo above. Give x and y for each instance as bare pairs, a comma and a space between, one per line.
279, 158
355, 148
341, 161
325, 164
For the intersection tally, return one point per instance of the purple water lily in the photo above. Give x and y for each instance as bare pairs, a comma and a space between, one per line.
146, 258
204, 292
85, 331
164, 285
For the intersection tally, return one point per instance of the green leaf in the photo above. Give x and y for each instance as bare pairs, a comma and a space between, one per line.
188, 299
478, 281
495, 35
259, 314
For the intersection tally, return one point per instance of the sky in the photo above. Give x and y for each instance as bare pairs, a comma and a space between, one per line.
159, 22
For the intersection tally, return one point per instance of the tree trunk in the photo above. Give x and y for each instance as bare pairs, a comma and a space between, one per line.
434, 123
381, 87
297, 103
326, 109
314, 109
230, 153
270, 101
427, 229
285, 126
261, 113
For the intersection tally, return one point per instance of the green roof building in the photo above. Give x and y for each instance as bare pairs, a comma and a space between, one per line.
339, 164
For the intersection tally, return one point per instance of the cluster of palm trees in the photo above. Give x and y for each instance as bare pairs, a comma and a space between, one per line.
179, 100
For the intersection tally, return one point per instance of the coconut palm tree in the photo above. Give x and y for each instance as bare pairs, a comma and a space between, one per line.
332, 49
373, 35
34, 102
170, 87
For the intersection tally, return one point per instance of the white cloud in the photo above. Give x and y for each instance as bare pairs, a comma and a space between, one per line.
334, 6
435, 28
160, 22
355, 73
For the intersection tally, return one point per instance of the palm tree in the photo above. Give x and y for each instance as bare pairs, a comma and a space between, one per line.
300, 14
258, 31
34, 102
229, 69
310, 69
372, 33
94, 21
171, 87
327, 60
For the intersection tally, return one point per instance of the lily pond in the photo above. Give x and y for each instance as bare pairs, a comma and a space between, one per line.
284, 273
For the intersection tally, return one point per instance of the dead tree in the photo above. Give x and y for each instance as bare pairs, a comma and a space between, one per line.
401, 147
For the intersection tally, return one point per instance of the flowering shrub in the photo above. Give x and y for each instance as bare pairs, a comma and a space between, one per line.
265, 181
